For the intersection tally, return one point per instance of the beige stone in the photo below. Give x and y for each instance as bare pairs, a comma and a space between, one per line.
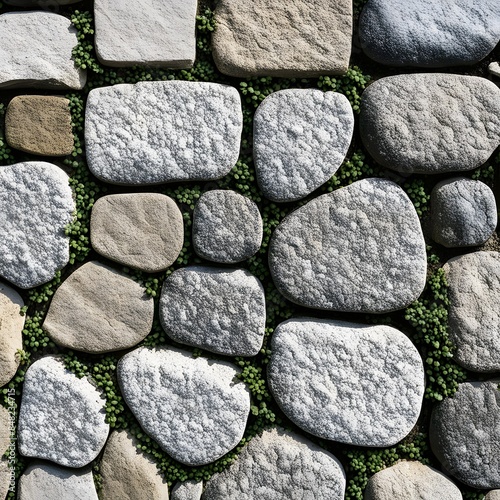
4, 429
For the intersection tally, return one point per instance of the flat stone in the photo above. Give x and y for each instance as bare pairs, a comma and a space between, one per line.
464, 434
36, 204
494, 69
359, 249
62, 417
431, 123
40, 125
194, 408
188, 490
156, 132
348, 382
492, 495
301, 137
36, 51
227, 227
294, 39
280, 464
140, 230
463, 212
429, 34
157, 34
98, 309
220, 310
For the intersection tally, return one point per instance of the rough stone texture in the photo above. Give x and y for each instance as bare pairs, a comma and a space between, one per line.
347, 382
5, 429
62, 417
220, 310
98, 309
194, 408
40, 125
36, 204
301, 137
294, 38
279, 465
156, 34
492, 495
494, 68
5, 478
156, 132
464, 433
188, 490
429, 34
431, 123
463, 211
357, 249
227, 227
35, 50
140, 230
127, 473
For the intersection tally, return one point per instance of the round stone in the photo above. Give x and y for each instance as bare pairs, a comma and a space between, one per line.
492, 495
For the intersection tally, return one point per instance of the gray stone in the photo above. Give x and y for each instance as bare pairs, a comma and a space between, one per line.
358, 249
464, 433
140, 230
36, 204
429, 34
294, 38
156, 132
463, 212
492, 495
494, 69
227, 227
280, 465
188, 490
352, 383
430, 123
301, 137
194, 408
36, 51
220, 310
62, 417
98, 309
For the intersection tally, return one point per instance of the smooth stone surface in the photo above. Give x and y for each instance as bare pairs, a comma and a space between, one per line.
227, 227
294, 38
36, 204
98, 309
431, 123
188, 490
194, 408
62, 417
351, 383
35, 51
301, 137
358, 249
156, 132
220, 310
280, 465
140, 230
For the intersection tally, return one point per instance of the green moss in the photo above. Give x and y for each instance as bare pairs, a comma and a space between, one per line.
418, 192
353, 169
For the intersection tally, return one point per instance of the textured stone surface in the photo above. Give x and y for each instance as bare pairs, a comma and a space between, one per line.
5, 478
358, 249
494, 68
280, 464
62, 417
5, 429
141, 230
431, 123
188, 490
98, 309
220, 310
464, 434
35, 50
294, 38
429, 34
194, 408
492, 495
155, 132
227, 227
36, 204
301, 137
347, 382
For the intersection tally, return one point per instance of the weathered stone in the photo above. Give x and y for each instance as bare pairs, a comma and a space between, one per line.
301, 137
295, 38
98, 309
141, 230
156, 132
494, 69
194, 408
492, 495
431, 123
188, 490
6, 427
5, 478
7, 440
357, 249
347, 382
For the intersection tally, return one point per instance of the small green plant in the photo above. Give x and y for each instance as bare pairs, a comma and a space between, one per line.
353, 169
419, 195
83, 53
